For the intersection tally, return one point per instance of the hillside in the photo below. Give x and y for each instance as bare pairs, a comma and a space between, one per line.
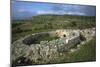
42, 23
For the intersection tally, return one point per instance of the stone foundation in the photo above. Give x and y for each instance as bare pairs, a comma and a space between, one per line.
45, 51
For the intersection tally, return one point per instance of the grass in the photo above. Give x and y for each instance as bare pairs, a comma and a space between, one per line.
47, 38
87, 52
21, 28
44, 37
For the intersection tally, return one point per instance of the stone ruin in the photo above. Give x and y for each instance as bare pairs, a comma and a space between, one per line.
27, 49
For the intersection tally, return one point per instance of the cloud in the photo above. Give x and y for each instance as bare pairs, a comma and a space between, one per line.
76, 13
44, 12
51, 12
60, 12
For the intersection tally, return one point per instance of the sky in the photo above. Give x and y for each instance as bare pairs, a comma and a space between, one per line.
25, 10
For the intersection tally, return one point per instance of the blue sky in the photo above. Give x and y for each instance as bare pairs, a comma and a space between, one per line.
23, 10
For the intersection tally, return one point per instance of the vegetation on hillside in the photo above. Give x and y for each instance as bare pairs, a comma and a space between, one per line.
42, 23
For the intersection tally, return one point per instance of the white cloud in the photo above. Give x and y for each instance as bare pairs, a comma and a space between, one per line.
76, 13
44, 12
60, 12
51, 12
39, 12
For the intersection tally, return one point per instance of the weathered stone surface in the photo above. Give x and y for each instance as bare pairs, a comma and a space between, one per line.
45, 51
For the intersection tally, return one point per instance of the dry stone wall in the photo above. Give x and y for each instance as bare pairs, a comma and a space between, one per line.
45, 51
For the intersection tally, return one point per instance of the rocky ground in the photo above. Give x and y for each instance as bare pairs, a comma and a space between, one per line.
26, 51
